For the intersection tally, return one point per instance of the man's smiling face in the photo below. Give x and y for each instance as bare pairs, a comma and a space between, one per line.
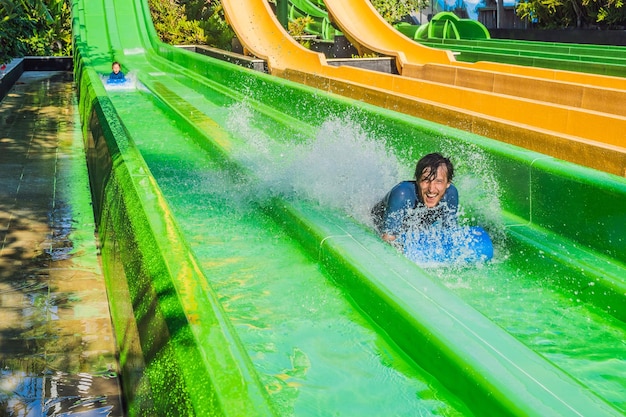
433, 187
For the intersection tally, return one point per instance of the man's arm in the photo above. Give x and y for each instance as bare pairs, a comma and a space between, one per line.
451, 198
400, 198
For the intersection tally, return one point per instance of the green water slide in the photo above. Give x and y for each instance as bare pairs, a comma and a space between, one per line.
604, 61
244, 280
472, 43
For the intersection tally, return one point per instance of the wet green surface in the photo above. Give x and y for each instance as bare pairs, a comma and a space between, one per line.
218, 214
57, 350
314, 352
525, 297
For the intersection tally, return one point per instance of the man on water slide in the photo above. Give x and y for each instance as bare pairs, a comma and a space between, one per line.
430, 200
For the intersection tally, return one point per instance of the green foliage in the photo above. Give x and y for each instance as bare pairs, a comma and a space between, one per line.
34, 27
172, 25
394, 10
548, 14
205, 22
13, 26
297, 29
217, 30
609, 13
54, 33
554, 14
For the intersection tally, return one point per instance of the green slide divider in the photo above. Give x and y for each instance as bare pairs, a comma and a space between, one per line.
601, 61
512, 50
572, 49
470, 55
173, 313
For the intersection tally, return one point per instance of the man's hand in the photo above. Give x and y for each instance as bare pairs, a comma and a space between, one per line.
388, 238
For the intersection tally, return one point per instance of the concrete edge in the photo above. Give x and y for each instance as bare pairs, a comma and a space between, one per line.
10, 75
18, 66
232, 57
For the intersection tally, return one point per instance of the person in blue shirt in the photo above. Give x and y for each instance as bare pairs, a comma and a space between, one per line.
116, 76
430, 200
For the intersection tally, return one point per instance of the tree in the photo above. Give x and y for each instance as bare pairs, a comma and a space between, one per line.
547, 14
34, 27
555, 14
194, 21
607, 13
172, 25
53, 31
13, 26
394, 10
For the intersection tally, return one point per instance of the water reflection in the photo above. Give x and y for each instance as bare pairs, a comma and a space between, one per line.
57, 352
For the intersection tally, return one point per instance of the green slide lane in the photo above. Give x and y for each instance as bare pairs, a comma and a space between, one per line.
245, 278
593, 59
305, 339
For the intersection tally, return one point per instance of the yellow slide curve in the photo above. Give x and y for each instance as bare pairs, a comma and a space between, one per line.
370, 32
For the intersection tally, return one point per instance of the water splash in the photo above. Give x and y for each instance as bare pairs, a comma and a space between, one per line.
479, 191
345, 165
342, 166
130, 84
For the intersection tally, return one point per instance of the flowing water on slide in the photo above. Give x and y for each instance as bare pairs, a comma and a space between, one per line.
314, 351
346, 166
311, 348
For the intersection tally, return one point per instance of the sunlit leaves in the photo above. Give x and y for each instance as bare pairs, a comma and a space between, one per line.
394, 10
565, 13
34, 27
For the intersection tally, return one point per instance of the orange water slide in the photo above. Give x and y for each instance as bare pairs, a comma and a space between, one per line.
563, 131
368, 32
365, 28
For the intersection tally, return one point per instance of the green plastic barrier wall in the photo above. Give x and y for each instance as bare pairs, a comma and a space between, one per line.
161, 305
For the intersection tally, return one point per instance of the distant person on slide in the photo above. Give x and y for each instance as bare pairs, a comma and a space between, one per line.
116, 76
430, 200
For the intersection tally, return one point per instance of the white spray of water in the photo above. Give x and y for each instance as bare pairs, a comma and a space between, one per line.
345, 166
479, 191
130, 84
342, 166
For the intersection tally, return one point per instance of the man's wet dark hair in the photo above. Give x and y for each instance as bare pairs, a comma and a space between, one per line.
432, 161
